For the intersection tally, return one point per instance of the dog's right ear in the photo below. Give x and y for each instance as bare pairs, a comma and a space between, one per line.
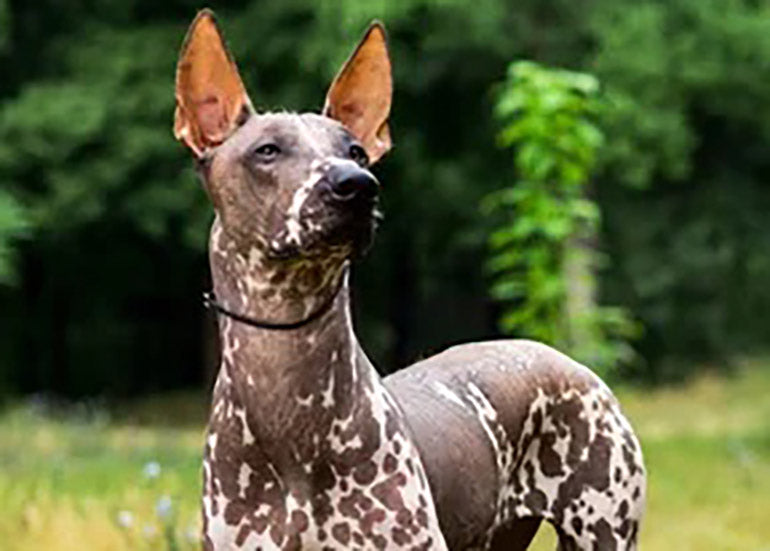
211, 100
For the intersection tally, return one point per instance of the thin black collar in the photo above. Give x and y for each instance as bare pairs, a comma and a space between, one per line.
210, 302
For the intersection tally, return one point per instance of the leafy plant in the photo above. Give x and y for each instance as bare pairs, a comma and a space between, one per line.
543, 258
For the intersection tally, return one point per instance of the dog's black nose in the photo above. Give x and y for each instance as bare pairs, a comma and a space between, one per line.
348, 181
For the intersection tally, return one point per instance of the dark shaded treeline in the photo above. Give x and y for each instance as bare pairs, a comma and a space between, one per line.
108, 279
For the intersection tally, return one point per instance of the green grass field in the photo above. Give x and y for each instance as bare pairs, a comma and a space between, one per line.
86, 480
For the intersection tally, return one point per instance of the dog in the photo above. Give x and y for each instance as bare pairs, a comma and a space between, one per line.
307, 447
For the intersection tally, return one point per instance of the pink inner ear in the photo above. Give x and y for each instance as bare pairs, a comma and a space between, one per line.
211, 118
351, 109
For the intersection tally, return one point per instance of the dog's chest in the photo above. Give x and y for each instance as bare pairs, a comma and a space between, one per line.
336, 481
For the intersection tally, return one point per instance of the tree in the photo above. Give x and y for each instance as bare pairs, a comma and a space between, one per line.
543, 254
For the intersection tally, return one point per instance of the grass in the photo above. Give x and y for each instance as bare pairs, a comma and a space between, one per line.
87, 481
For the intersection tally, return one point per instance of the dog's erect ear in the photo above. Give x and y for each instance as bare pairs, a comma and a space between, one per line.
211, 100
361, 93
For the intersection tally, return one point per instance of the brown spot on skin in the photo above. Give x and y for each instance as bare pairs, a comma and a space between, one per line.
624, 528
299, 520
397, 447
390, 463
577, 525
622, 510
358, 538
365, 473
322, 508
260, 523
388, 493
550, 462
234, 512
294, 543
380, 542
404, 517
535, 501
341, 532
365, 503
391, 425
422, 517
604, 538
243, 533
276, 533
629, 440
371, 518
628, 457
400, 536
347, 505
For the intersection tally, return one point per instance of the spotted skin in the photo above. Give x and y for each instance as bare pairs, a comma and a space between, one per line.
553, 433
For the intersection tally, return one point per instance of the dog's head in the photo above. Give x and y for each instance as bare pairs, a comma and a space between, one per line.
294, 186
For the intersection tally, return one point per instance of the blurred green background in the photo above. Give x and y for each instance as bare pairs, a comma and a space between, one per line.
103, 223
103, 229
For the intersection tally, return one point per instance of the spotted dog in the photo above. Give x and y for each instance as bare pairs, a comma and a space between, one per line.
307, 448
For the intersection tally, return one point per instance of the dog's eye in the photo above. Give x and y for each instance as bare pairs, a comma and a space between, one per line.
267, 152
358, 154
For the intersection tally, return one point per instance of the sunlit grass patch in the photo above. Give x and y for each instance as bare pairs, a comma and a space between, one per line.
78, 481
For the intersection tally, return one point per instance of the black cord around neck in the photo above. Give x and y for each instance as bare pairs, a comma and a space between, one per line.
210, 302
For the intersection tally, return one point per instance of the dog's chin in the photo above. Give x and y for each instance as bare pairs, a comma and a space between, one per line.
347, 237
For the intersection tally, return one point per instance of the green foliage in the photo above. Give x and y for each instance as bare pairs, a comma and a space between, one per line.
543, 271
687, 125
13, 225
116, 221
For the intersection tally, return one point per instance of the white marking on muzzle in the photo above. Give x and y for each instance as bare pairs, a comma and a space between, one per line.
293, 222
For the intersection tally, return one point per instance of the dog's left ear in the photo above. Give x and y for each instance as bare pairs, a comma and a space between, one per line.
360, 95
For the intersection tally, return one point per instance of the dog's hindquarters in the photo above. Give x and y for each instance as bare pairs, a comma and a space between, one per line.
512, 432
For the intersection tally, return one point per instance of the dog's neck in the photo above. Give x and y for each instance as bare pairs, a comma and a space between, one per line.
302, 428
278, 377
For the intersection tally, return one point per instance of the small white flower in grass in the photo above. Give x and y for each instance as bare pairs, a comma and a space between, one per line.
164, 507
125, 519
192, 534
149, 531
151, 470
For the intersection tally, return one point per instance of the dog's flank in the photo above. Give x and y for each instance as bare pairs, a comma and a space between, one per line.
307, 448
